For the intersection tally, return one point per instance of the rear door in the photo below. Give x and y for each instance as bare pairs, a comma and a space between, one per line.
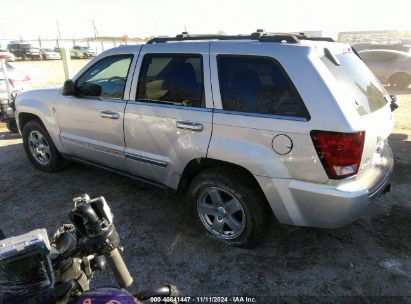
169, 122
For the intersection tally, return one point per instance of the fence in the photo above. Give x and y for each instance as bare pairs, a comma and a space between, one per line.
99, 44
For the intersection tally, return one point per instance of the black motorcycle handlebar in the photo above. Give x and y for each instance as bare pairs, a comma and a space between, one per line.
119, 268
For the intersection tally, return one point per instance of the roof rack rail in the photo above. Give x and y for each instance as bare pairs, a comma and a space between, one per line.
259, 35
187, 37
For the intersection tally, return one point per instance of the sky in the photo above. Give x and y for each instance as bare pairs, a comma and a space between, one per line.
33, 18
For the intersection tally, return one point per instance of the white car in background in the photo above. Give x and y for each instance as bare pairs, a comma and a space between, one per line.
49, 54
19, 81
9, 56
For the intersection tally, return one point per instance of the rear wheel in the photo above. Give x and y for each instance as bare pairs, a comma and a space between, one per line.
400, 80
12, 126
228, 207
40, 149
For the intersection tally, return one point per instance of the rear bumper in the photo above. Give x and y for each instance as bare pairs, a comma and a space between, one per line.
6, 112
303, 203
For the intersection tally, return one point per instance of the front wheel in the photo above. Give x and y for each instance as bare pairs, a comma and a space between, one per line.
228, 207
40, 149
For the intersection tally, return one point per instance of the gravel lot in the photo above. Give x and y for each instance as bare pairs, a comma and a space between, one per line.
162, 245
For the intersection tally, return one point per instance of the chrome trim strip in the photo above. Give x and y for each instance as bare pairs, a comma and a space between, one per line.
92, 146
147, 160
161, 105
283, 117
135, 177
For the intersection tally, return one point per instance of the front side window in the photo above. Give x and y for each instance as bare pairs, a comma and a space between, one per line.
257, 85
107, 78
172, 79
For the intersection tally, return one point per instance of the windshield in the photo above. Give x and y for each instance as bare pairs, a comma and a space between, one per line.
355, 77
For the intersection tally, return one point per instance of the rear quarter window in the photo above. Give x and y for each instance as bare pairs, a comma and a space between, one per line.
256, 84
355, 77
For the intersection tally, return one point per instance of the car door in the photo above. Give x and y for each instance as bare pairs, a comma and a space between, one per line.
169, 122
91, 122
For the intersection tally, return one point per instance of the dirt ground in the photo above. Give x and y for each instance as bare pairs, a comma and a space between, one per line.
48, 73
368, 261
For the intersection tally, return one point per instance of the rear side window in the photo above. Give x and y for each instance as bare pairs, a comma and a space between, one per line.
175, 79
257, 85
354, 77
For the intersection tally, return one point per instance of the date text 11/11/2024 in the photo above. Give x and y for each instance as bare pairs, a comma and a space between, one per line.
239, 299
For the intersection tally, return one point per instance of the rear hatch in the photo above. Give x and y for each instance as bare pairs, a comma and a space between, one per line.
364, 93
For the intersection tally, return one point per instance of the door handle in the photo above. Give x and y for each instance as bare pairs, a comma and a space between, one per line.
109, 114
189, 125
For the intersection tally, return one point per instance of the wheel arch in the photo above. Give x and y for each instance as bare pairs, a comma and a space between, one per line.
400, 73
24, 118
196, 166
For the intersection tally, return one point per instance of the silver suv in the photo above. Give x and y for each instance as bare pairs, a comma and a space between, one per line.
246, 126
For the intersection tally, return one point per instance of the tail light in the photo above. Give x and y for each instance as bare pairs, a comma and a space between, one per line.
340, 153
12, 81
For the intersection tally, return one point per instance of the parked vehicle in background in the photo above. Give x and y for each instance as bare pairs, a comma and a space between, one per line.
390, 67
374, 46
18, 82
243, 125
9, 56
82, 52
49, 54
24, 51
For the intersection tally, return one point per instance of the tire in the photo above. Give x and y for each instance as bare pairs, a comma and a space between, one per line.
44, 156
400, 81
11, 125
240, 205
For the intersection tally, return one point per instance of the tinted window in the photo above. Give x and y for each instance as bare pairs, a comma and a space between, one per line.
173, 79
257, 85
110, 74
354, 77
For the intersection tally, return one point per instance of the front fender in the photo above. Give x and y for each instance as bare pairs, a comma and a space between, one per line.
41, 103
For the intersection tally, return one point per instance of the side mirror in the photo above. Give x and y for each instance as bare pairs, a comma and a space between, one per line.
89, 89
394, 104
69, 88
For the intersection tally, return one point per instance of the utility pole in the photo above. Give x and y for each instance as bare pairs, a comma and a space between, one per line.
2, 30
58, 30
96, 34
95, 30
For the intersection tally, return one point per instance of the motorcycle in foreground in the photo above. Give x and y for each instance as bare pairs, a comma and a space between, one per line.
33, 270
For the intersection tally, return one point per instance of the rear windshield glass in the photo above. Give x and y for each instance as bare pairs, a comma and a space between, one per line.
354, 77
